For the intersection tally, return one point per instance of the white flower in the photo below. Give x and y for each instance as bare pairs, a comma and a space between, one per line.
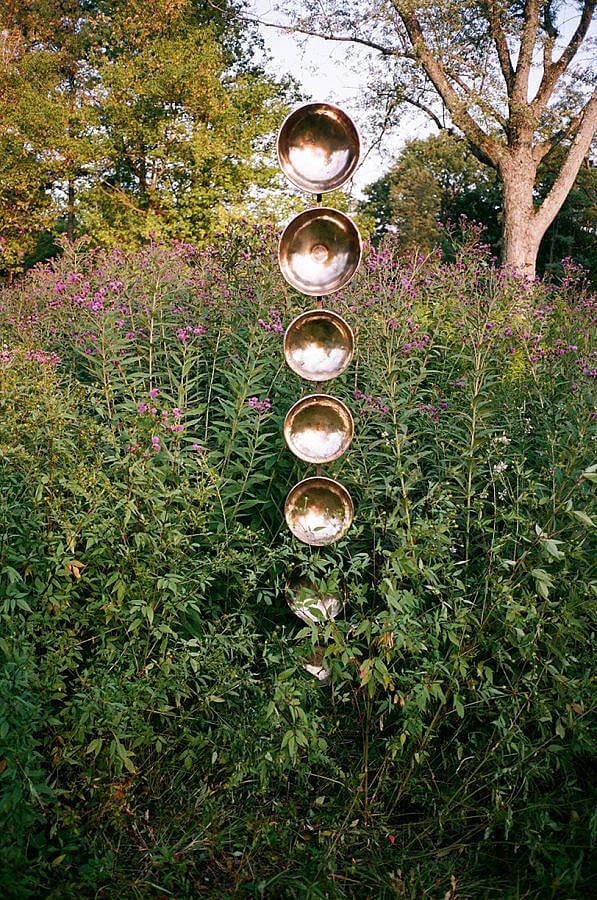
499, 467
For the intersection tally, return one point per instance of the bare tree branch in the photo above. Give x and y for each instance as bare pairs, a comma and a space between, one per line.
489, 147
499, 39
552, 34
520, 85
544, 148
427, 110
476, 99
297, 29
563, 183
554, 71
391, 105
477, 153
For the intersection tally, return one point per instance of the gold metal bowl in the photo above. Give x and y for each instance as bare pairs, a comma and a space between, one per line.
318, 511
318, 147
319, 251
308, 602
318, 345
318, 428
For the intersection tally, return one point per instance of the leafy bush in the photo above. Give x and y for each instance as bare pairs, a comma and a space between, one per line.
158, 734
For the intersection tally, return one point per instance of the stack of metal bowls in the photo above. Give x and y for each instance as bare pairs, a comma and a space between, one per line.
320, 251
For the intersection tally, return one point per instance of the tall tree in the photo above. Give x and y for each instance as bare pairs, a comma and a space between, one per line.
123, 120
25, 203
507, 75
45, 118
181, 123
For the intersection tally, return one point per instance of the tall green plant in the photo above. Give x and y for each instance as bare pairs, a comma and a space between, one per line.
158, 726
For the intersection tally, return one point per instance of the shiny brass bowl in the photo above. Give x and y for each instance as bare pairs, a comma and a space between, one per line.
319, 251
318, 345
309, 603
318, 428
314, 666
318, 147
318, 511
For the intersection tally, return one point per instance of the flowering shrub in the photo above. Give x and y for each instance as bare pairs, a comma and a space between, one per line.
156, 725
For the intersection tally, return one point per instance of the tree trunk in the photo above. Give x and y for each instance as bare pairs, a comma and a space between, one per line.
521, 236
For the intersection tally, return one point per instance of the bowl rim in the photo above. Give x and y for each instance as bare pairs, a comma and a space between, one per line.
320, 210
310, 400
313, 104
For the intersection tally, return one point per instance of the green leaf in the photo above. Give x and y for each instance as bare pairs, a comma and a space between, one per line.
583, 517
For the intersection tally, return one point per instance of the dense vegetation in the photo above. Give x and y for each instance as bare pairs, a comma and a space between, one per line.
121, 121
158, 735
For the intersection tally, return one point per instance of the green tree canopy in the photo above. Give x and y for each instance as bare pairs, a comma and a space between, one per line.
434, 181
121, 122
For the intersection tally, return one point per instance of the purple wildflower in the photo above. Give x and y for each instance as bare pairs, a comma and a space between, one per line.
261, 406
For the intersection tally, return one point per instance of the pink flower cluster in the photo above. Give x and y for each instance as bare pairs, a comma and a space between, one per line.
431, 410
561, 348
274, 322
371, 404
43, 357
420, 343
420, 340
6, 355
175, 425
183, 334
170, 417
146, 408
587, 366
260, 406
88, 340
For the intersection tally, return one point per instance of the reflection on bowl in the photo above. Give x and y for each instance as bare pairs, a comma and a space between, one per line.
318, 429
314, 666
318, 511
307, 600
318, 147
319, 251
318, 345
